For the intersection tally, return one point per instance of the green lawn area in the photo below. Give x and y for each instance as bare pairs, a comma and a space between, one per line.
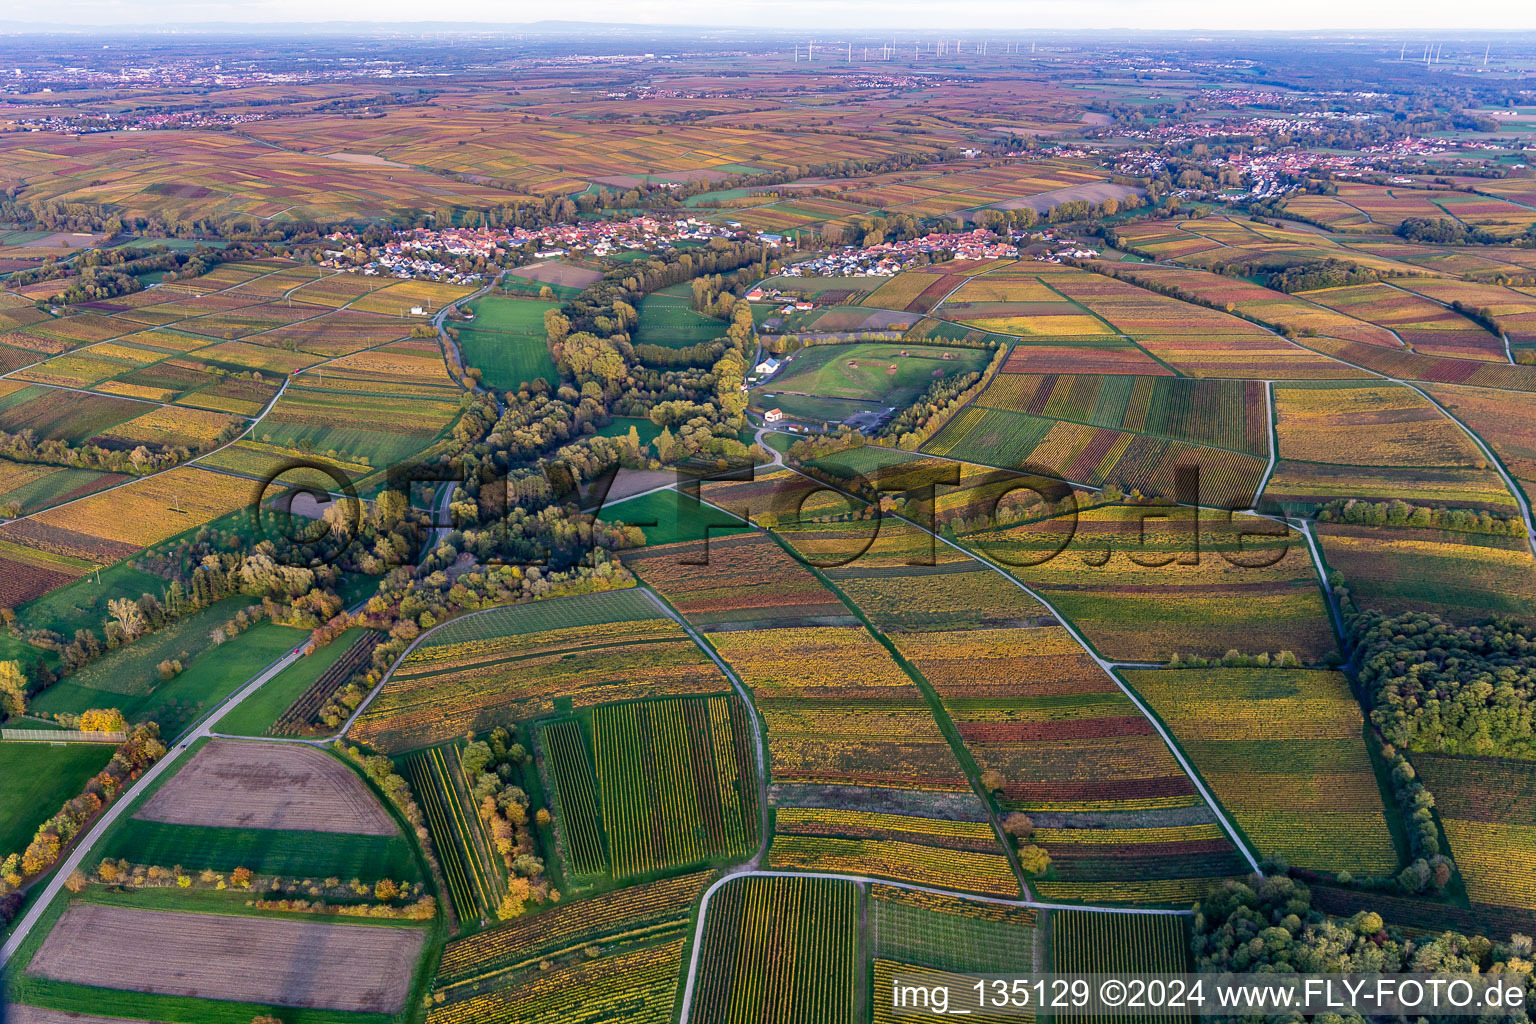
264, 851
83, 603
174, 244
12, 649
354, 586
809, 408
254, 715
381, 447
519, 316
527, 286
33, 990
719, 196
676, 516
506, 342
779, 442
127, 679
508, 361
668, 318
647, 430
36, 779
877, 373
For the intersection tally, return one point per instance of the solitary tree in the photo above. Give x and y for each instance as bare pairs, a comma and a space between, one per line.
13, 689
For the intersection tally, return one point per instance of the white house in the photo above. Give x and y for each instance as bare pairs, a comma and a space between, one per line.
767, 366
773, 415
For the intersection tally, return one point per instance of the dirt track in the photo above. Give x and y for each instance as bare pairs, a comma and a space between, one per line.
257, 960
230, 784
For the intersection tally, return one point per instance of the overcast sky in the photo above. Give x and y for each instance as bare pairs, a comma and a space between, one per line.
1012, 16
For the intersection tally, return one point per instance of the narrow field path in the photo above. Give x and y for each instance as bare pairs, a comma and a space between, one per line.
1106, 665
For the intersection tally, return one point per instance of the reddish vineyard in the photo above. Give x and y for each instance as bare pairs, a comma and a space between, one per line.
1441, 370
21, 582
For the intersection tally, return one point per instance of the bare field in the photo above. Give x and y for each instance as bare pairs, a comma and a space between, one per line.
36, 1015
247, 959
1094, 192
232, 784
372, 159
557, 273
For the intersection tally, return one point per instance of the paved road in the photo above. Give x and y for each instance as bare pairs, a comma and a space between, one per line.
83, 845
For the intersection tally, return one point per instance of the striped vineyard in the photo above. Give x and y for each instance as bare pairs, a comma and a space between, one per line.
780, 949
475, 882
576, 817
301, 713
495, 958
635, 985
1088, 942
677, 782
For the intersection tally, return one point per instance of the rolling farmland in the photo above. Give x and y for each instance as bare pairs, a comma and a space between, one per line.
901, 508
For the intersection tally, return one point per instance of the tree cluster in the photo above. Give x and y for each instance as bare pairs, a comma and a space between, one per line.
381, 772
137, 461
1442, 231
1268, 925
1400, 513
1451, 689
493, 768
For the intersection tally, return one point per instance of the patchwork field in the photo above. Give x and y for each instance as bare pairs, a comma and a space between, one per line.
1133, 580
514, 663
685, 765
540, 964
1037, 611
1282, 751
1464, 577
1377, 443
1424, 325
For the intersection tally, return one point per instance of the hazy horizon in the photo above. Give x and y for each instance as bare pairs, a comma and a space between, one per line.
884, 16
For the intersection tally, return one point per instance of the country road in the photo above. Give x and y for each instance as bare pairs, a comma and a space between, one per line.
83, 845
